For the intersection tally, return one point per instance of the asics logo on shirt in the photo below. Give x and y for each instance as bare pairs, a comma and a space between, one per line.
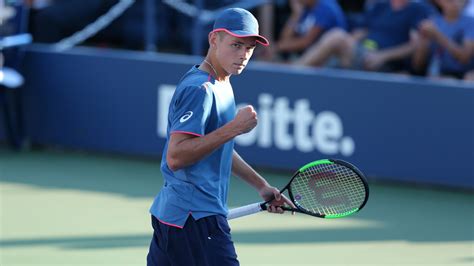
186, 116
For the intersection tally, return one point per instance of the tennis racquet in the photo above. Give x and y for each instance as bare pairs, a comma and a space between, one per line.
326, 188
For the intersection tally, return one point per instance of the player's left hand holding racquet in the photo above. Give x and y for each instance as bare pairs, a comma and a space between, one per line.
275, 199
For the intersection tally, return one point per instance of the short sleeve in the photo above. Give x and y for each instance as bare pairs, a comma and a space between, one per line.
190, 111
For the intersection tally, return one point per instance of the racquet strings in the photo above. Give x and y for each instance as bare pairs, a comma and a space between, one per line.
329, 190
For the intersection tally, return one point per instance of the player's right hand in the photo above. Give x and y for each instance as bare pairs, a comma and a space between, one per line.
246, 119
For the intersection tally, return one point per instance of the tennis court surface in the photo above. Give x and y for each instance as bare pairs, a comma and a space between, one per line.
73, 208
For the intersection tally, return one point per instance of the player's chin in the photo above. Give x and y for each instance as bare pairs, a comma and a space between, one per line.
237, 69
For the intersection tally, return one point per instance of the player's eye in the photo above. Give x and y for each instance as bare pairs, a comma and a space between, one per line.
236, 45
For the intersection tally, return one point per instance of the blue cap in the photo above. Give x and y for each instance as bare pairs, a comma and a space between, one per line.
240, 23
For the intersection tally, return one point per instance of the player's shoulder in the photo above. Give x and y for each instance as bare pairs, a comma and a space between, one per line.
194, 78
193, 82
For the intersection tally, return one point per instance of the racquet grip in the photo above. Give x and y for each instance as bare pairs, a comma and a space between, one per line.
245, 210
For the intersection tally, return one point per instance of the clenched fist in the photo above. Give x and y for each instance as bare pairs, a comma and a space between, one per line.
246, 119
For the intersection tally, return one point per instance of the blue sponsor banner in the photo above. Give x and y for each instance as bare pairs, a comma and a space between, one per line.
393, 128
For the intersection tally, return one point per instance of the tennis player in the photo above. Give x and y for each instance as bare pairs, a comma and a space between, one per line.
189, 213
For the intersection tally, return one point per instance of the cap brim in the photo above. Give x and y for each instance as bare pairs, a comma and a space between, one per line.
240, 34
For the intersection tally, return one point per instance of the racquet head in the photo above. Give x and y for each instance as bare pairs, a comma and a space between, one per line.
328, 189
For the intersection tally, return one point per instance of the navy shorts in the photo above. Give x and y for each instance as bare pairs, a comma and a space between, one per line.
205, 242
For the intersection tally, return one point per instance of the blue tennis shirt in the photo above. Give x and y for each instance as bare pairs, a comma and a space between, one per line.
199, 106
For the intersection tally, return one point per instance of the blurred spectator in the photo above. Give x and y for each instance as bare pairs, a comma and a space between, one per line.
446, 41
266, 17
354, 11
309, 19
384, 43
272, 17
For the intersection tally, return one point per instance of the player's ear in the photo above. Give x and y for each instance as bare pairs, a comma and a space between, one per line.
213, 39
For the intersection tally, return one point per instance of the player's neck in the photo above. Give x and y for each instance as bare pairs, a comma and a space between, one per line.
209, 65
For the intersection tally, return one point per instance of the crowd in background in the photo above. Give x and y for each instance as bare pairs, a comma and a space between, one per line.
424, 37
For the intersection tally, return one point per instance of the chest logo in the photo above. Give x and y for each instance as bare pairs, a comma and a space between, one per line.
186, 116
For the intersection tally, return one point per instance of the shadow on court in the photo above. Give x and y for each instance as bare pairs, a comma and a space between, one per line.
269, 237
82, 171
401, 213
92, 242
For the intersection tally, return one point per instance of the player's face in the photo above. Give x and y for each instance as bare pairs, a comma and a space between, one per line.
234, 53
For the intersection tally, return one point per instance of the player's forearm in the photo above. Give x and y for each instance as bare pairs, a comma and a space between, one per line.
241, 169
185, 150
191, 150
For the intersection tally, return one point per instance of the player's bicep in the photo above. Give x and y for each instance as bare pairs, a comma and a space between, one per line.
176, 140
179, 153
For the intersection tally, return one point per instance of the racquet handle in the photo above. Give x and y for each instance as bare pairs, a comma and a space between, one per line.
246, 210
251, 209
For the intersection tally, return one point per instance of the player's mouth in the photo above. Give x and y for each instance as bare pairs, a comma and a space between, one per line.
239, 65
